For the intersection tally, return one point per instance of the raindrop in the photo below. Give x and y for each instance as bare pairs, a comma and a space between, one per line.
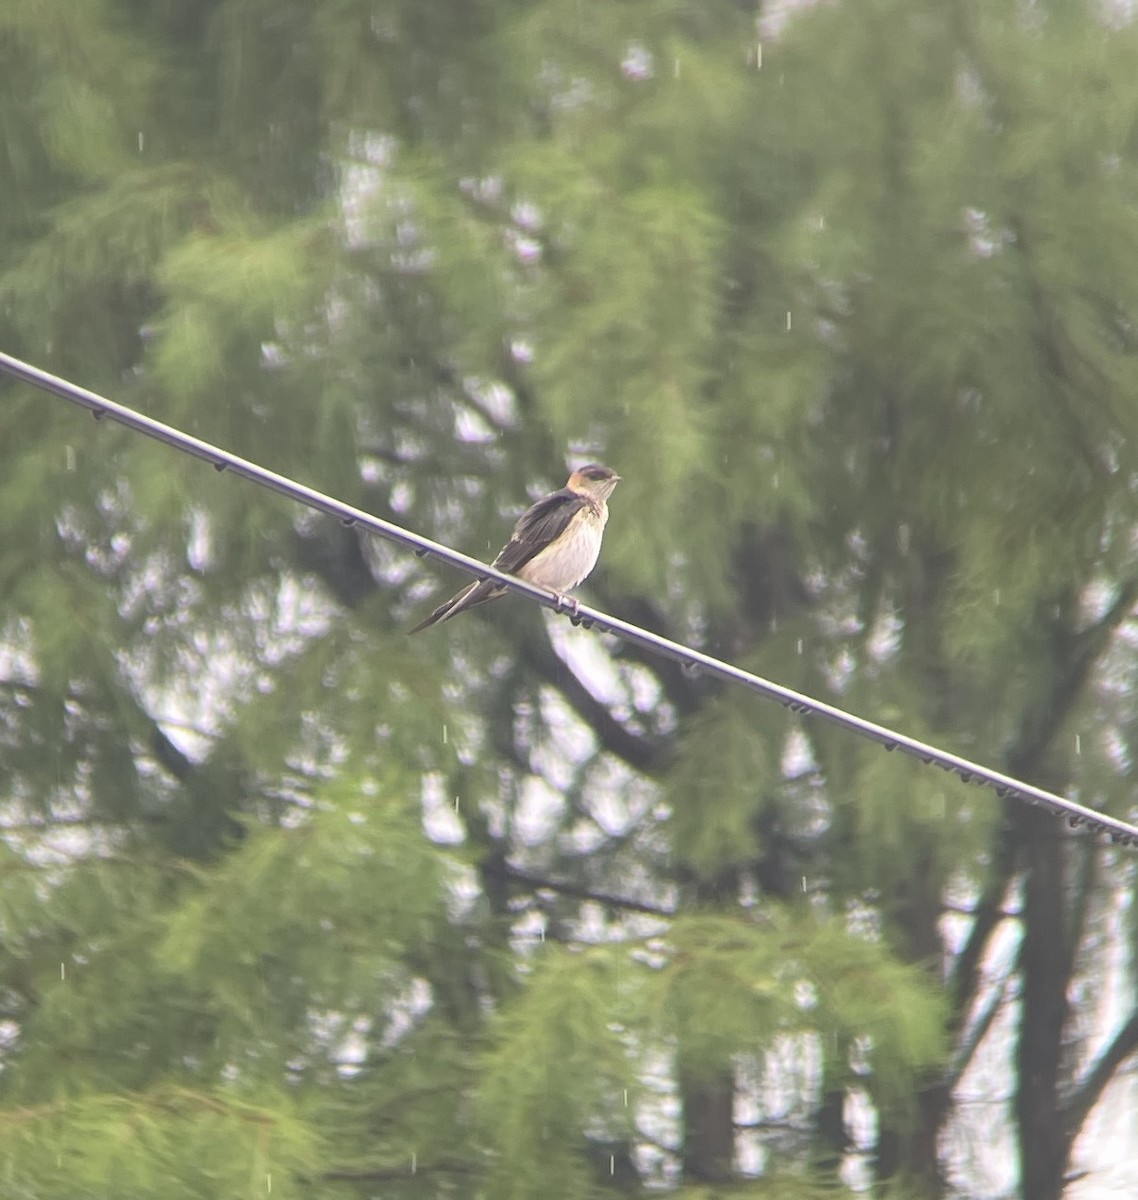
220, 466
421, 553
788, 320
69, 457
347, 522
799, 648
1078, 744
889, 746
444, 735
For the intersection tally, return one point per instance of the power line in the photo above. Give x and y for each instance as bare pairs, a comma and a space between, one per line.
693, 661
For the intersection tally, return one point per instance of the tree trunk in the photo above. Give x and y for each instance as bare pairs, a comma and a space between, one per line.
709, 1128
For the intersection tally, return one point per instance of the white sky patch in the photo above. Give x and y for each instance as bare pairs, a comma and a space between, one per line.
441, 821
362, 181
861, 1120
199, 544
496, 400
472, 427
526, 249
984, 239
16, 661
797, 756
638, 63
979, 1144
585, 654
538, 811
618, 799
1105, 998
885, 638
776, 14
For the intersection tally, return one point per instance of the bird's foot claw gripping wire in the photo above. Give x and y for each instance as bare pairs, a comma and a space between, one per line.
569, 604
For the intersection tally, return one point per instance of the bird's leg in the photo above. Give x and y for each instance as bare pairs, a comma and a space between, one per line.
568, 602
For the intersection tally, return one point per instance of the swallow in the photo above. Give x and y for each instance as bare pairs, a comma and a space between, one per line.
555, 543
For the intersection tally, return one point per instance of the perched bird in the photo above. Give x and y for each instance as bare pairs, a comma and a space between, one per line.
555, 543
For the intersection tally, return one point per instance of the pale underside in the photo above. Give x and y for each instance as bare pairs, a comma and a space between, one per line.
571, 557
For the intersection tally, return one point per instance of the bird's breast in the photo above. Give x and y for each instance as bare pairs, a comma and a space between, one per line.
566, 561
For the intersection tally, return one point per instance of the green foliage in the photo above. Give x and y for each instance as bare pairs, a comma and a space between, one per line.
719, 785
228, 295
570, 1050
81, 78
560, 1066
355, 877
734, 987
170, 1141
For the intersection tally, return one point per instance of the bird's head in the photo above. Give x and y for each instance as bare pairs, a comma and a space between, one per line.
593, 481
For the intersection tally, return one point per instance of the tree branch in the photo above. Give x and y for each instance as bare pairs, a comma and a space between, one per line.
1085, 650
408, 1171
1086, 1095
962, 982
978, 1031
578, 891
637, 751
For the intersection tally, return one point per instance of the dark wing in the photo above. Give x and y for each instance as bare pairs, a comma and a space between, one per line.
541, 524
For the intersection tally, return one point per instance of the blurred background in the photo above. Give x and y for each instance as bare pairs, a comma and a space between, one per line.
292, 905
